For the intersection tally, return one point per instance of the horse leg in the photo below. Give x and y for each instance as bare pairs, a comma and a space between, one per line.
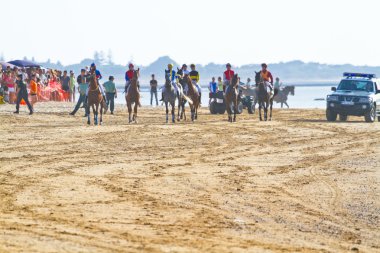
286, 104
282, 105
266, 112
173, 112
167, 112
135, 112
129, 112
88, 115
179, 109
260, 106
101, 114
235, 110
95, 110
270, 111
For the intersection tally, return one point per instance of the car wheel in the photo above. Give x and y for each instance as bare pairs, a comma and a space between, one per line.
330, 115
213, 109
371, 115
240, 108
251, 109
343, 117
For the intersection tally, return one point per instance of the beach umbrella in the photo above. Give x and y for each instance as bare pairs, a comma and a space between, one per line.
24, 63
6, 64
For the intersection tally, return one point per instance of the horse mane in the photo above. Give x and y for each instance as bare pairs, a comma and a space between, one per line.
93, 82
234, 81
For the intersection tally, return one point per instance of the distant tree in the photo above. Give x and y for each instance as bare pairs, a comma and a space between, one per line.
33, 59
48, 61
2, 57
102, 59
96, 56
110, 57
59, 64
25, 59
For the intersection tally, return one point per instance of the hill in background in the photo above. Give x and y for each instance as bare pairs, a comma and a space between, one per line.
295, 72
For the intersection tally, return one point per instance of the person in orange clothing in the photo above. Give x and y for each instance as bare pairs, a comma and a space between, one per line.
267, 76
33, 89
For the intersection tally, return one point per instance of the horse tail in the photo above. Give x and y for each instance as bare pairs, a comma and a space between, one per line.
189, 100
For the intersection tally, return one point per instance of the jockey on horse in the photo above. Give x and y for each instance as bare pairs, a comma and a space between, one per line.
128, 77
93, 70
194, 75
172, 76
227, 76
267, 76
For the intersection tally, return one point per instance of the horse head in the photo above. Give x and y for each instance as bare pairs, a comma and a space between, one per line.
93, 81
136, 74
291, 88
235, 81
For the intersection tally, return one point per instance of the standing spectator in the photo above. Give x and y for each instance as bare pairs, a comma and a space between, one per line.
111, 93
33, 89
22, 93
212, 87
65, 83
220, 84
153, 90
82, 87
248, 83
72, 87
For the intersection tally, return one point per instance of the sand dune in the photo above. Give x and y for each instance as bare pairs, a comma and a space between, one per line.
296, 184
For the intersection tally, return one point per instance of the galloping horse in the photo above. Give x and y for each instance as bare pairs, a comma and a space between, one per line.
265, 98
95, 99
282, 96
133, 96
169, 96
193, 94
232, 96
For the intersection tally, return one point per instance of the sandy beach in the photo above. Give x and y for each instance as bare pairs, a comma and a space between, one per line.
295, 184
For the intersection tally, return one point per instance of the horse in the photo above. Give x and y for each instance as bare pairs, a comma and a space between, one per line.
282, 96
265, 99
182, 98
133, 96
231, 97
192, 93
169, 97
95, 99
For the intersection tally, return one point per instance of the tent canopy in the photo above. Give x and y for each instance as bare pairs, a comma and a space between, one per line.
24, 64
5, 65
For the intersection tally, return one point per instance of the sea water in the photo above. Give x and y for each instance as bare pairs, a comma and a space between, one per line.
304, 97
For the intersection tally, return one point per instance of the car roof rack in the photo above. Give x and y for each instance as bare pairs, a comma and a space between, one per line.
360, 75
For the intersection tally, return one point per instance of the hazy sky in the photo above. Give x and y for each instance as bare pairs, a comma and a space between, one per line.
200, 31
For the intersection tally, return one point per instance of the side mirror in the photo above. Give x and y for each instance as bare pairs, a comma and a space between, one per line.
333, 88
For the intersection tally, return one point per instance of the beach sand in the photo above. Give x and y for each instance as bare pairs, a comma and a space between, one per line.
295, 184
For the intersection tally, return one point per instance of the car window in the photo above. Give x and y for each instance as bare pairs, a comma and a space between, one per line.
354, 85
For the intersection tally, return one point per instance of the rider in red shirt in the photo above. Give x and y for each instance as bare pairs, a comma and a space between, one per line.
227, 76
266, 75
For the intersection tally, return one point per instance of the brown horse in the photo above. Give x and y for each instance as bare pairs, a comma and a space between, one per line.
133, 96
232, 96
193, 94
95, 99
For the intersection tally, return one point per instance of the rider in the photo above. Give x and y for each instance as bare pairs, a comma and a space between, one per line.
172, 76
184, 69
93, 70
227, 76
194, 76
129, 76
277, 86
267, 76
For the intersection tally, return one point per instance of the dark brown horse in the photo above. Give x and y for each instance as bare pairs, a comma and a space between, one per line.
264, 98
193, 94
182, 98
232, 96
133, 96
95, 99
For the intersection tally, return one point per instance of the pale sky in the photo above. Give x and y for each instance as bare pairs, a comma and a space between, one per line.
199, 31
